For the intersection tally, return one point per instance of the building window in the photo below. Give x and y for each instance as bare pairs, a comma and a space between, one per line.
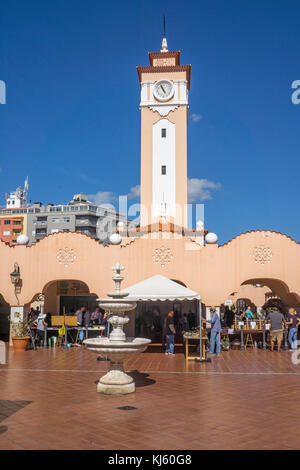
163, 170
66, 219
17, 222
55, 220
6, 222
164, 132
6, 233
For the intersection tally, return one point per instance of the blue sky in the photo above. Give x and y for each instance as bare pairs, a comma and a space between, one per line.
72, 124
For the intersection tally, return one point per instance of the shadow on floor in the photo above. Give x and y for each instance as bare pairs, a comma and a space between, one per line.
159, 348
141, 379
9, 407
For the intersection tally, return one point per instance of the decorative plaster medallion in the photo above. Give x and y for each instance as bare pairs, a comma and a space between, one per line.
40, 298
66, 256
163, 110
262, 254
162, 255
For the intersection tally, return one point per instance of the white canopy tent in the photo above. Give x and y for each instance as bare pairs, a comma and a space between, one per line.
160, 288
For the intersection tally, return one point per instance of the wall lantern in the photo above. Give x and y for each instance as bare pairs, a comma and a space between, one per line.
15, 275
15, 278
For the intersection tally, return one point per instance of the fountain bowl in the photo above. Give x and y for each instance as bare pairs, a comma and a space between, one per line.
116, 381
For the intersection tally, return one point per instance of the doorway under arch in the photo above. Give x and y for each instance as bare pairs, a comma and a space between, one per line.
267, 292
67, 296
4, 319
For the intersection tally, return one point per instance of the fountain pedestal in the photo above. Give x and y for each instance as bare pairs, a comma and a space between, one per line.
116, 381
117, 347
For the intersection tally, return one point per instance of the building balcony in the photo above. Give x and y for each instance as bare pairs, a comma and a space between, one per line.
38, 236
85, 223
40, 223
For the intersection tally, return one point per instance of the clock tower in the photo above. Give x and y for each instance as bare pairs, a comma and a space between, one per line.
164, 112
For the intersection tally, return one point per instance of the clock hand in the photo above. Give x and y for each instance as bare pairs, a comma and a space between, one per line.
164, 91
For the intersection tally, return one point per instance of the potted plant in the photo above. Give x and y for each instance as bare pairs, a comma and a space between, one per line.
19, 333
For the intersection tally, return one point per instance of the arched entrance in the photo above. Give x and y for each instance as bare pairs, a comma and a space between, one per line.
243, 303
65, 296
262, 293
4, 319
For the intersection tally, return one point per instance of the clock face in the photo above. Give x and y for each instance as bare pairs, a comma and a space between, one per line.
163, 90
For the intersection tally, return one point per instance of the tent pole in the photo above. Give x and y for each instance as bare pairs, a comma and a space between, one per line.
200, 325
201, 342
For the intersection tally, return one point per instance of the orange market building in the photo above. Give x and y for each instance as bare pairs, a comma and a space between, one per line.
254, 267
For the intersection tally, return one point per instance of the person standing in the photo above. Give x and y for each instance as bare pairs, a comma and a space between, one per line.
157, 326
41, 325
276, 318
170, 333
216, 329
79, 314
228, 317
96, 316
249, 313
86, 318
105, 323
293, 323
185, 322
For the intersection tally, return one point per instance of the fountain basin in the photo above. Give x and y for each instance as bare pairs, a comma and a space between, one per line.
116, 381
110, 306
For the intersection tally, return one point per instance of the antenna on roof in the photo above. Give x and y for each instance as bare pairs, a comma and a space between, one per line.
164, 46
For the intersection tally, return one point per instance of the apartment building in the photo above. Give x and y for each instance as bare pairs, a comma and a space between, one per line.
79, 215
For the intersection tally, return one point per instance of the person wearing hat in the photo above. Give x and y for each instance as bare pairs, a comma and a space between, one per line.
276, 318
216, 329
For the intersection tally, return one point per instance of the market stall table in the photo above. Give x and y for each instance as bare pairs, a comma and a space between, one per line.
188, 338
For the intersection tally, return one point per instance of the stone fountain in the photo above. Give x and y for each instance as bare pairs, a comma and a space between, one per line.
117, 347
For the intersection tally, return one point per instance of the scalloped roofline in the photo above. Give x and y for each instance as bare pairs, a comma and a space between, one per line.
55, 234
259, 231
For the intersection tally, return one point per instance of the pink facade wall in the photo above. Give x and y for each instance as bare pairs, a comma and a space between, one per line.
213, 271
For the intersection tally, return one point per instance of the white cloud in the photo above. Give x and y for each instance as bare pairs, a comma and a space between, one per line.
134, 192
108, 197
200, 189
102, 197
195, 117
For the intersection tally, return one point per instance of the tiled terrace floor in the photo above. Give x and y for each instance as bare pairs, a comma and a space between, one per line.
242, 400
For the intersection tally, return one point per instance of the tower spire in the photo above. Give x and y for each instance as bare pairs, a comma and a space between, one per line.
164, 45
